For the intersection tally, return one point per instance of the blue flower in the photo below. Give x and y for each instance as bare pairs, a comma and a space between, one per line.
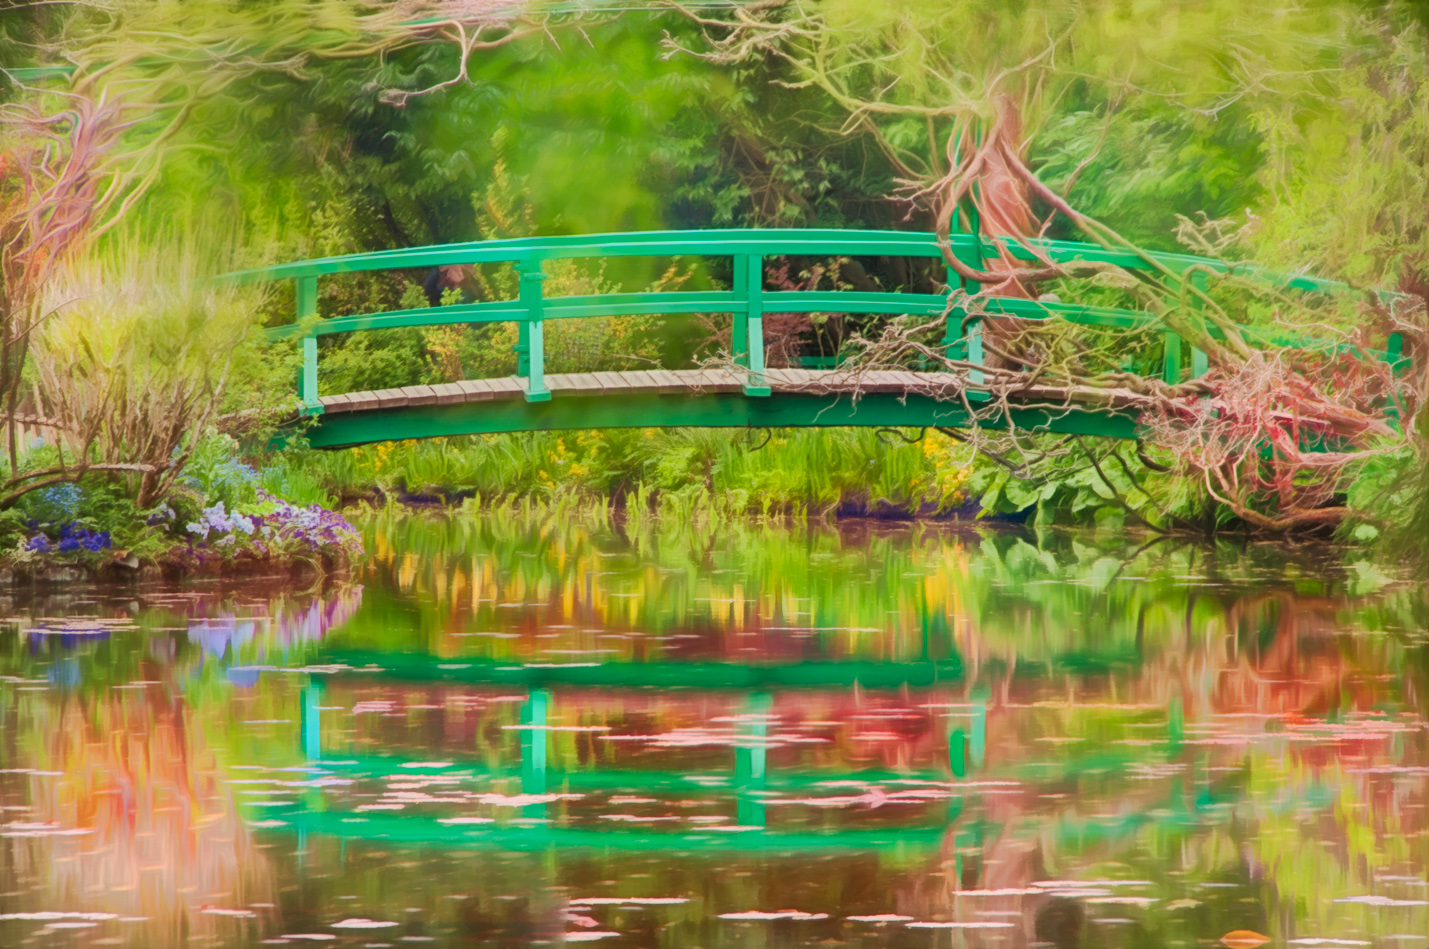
160, 515
217, 518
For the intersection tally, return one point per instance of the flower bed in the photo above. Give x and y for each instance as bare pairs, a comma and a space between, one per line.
269, 530
266, 533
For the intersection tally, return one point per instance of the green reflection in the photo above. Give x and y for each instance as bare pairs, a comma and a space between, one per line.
861, 720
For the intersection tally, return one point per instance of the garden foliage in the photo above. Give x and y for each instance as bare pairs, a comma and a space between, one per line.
1292, 135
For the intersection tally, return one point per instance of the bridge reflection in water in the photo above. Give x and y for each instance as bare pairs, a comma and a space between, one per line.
518, 730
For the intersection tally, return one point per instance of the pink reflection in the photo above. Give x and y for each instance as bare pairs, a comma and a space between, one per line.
147, 831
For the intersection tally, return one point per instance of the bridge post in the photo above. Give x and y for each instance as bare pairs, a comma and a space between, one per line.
1200, 362
308, 380
307, 297
1171, 369
747, 333
969, 348
531, 349
307, 306
975, 377
739, 326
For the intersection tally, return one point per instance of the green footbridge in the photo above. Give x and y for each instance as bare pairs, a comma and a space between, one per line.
746, 392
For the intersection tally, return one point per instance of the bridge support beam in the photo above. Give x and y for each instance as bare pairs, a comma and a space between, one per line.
732, 410
747, 333
531, 344
307, 306
969, 348
1171, 369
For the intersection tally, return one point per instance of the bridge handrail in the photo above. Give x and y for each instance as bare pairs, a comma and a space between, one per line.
725, 242
748, 301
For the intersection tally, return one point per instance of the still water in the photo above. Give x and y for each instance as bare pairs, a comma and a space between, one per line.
511, 733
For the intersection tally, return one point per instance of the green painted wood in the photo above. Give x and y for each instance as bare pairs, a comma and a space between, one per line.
636, 304
747, 302
1171, 359
308, 383
522, 348
533, 353
754, 324
1200, 361
307, 297
764, 242
975, 353
306, 300
854, 301
739, 327
740, 244
711, 410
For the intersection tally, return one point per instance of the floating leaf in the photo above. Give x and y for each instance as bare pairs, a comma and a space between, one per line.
359, 923
973, 925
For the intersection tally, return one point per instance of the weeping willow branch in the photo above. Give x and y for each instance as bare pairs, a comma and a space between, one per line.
1269, 432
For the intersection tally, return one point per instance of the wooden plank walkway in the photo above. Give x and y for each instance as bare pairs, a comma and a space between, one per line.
642, 382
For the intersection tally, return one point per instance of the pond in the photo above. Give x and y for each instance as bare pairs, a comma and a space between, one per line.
512, 731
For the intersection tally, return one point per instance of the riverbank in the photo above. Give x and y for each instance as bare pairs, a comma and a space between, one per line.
220, 519
720, 472
278, 513
800, 473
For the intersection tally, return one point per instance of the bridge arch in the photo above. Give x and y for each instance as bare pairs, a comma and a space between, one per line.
746, 393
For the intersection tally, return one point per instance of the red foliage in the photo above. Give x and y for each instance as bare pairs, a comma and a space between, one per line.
1272, 437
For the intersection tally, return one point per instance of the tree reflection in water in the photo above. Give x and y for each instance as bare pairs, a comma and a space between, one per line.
998, 738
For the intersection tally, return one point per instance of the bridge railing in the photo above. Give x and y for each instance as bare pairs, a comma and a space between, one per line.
747, 300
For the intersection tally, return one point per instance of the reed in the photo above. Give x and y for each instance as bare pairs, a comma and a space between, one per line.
700, 474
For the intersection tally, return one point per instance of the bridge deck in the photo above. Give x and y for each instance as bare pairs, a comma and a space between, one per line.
637, 382
718, 398
662, 382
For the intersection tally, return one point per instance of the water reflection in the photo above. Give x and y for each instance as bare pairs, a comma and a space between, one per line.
518, 732
117, 821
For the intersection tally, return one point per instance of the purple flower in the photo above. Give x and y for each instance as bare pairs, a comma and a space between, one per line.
161, 514
72, 540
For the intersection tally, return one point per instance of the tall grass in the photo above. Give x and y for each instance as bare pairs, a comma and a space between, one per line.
686, 474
